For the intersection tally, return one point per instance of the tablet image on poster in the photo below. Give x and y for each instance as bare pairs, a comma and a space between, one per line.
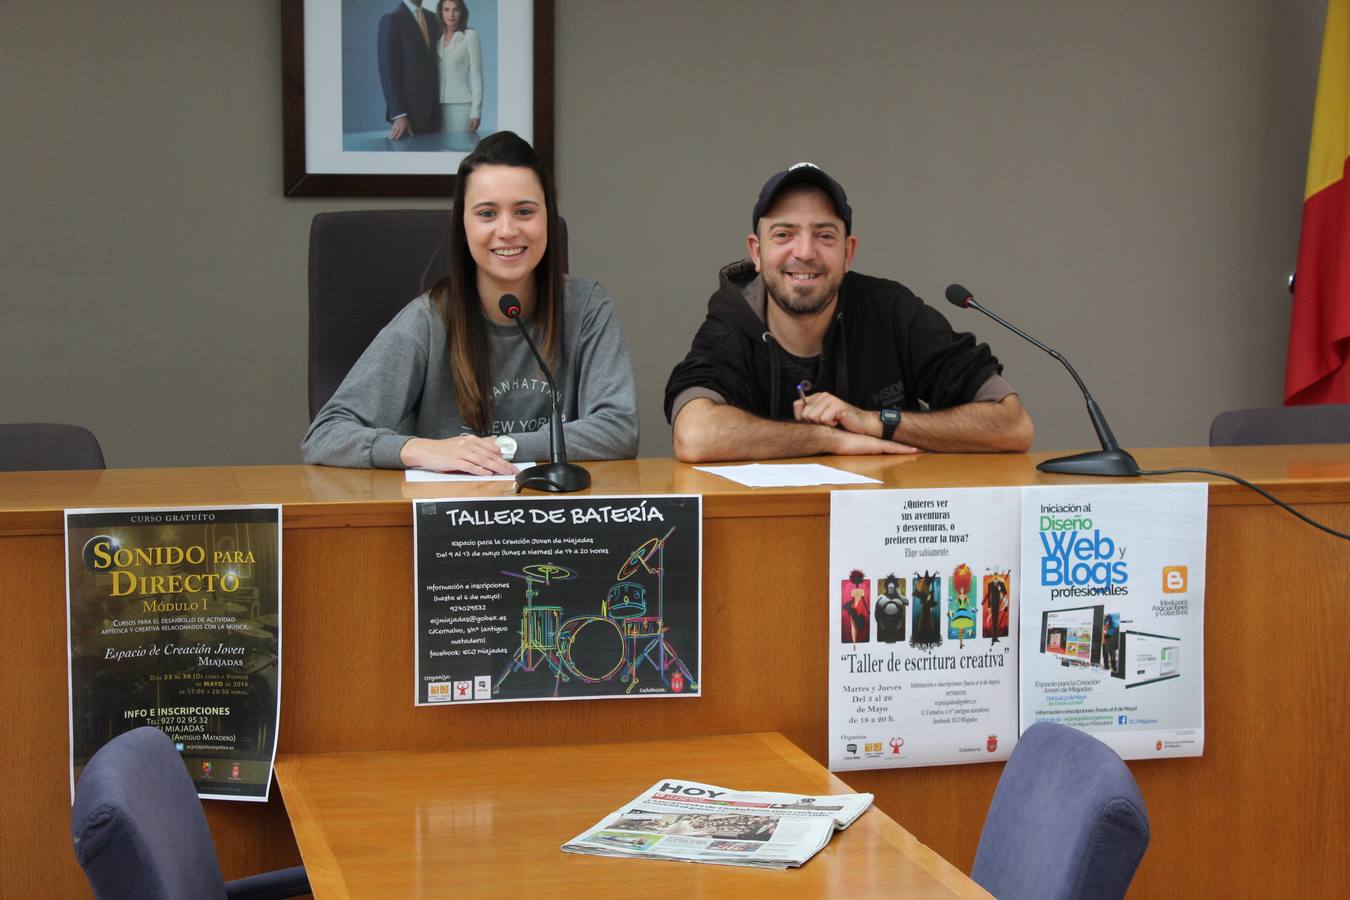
556, 598
174, 619
922, 627
1113, 613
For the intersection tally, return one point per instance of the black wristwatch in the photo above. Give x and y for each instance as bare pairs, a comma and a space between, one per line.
890, 420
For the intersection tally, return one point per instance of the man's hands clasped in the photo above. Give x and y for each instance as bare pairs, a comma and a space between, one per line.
858, 431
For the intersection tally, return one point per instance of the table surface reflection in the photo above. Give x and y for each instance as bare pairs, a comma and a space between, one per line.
491, 822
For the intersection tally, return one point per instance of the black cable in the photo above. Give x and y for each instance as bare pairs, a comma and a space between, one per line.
1264, 493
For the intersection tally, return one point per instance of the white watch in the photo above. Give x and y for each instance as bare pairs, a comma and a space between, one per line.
507, 445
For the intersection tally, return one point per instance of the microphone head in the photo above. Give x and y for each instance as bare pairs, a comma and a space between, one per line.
510, 306
959, 296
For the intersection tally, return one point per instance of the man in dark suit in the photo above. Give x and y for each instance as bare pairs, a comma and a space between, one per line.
408, 70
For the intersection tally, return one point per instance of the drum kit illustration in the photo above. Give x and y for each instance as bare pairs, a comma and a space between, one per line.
596, 649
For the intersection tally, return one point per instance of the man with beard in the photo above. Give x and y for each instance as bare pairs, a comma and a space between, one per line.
798, 356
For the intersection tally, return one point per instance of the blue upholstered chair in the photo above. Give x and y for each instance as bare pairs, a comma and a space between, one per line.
44, 446
1324, 424
140, 832
1067, 821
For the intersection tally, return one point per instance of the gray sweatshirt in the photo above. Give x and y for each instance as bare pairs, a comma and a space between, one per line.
401, 388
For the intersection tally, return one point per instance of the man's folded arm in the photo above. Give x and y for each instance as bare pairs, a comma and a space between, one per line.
976, 427
994, 421
709, 431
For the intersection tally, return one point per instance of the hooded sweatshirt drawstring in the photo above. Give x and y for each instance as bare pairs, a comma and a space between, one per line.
832, 359
775, 367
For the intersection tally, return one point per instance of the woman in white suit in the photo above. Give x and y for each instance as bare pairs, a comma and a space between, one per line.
461, 63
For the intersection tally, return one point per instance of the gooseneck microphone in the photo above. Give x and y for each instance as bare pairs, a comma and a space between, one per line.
1110, 460
557, 475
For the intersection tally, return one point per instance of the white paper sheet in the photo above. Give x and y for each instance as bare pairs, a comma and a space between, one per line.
423, 475
786, 475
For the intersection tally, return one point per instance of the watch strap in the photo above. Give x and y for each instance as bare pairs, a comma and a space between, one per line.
890, 420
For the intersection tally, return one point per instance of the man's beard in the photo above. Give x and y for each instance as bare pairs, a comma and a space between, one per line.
800, 300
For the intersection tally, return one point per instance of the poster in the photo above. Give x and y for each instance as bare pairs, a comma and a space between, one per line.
556, 598
1113, 612
922, 626
174, 620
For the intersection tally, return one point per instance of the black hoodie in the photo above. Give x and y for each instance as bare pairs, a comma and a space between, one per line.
885, 349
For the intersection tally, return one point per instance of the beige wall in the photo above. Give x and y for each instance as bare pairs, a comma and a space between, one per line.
1123, 180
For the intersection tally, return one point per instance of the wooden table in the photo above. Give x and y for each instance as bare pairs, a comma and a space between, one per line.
489, 823
1262, 813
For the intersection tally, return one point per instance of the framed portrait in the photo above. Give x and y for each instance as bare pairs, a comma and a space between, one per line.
387, 97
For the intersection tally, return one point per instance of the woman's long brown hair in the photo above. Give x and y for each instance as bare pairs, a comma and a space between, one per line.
456, 296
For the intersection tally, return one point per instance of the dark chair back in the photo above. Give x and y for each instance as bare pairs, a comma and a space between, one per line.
1067, 821
364, 266
138, 825
1326, 424
140, 833
45, 446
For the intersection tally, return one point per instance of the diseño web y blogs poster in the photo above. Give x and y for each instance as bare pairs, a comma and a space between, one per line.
1112, 609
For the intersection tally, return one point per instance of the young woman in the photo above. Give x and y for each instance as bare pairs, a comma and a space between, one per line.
450, 381
460, 54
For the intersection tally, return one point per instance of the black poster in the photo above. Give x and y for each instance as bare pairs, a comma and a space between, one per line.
557, 598
175, 622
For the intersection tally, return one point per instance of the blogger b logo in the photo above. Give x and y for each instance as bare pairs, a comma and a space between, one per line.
1174, 579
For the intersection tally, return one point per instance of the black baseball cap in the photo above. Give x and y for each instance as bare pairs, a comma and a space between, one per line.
798, 173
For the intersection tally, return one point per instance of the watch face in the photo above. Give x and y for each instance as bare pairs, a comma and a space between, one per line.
890, 416
507, 444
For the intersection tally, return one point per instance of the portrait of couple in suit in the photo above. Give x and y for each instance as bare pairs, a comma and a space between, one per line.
418, 74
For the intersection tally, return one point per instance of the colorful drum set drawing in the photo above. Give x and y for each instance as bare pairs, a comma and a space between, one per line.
597, 649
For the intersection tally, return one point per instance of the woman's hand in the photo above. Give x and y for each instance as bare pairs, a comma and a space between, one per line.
474, 123
466, 453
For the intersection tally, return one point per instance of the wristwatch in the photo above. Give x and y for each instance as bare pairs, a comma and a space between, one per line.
507, 445
890, 420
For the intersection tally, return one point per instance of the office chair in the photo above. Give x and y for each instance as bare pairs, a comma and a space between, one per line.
44, 446
364, 266
1325, 424
140, 832
1067, 821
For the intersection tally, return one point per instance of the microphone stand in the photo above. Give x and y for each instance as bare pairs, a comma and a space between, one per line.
1110, 461
557, 475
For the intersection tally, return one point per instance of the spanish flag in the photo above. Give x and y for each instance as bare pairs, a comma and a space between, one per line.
1318, 368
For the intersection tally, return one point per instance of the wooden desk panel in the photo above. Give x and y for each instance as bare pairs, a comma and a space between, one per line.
1271, 781
489, 823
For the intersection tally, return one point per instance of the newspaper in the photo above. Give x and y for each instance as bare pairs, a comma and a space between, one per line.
693, 822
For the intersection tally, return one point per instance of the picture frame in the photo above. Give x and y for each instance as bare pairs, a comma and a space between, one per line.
335, 108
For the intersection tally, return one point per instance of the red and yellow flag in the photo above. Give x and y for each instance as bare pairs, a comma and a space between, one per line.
1318, 369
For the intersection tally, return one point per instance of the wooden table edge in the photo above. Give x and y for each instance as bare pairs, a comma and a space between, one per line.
895, 834
325, 875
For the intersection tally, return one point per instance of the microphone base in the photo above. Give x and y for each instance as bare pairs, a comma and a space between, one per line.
558, 478
1109, 463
